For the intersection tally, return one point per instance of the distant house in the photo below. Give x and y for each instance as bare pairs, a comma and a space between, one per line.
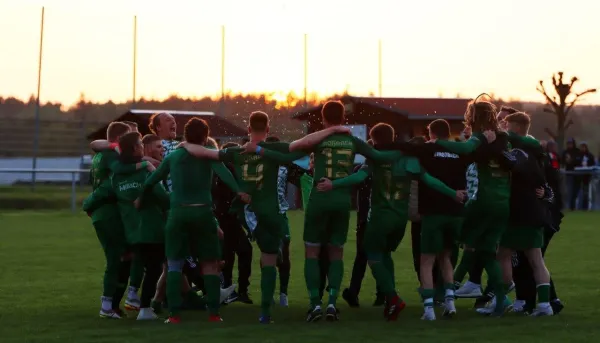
408, 116
220, 129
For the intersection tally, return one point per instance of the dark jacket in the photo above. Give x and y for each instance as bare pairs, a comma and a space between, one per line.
526, 209
571, 157
363, 201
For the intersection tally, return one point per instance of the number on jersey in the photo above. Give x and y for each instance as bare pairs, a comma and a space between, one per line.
338, 159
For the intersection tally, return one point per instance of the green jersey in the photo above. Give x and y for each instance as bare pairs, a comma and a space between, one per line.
334, 159
145, 225
390, 185
104, 164
257, 175
493, 181
392, 191
191, 178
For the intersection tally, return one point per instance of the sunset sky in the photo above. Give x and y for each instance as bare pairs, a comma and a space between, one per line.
430, 47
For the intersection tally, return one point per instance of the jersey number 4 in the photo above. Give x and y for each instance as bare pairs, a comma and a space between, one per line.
339, 160
252, 173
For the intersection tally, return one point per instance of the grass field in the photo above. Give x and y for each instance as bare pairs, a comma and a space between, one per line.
50, 281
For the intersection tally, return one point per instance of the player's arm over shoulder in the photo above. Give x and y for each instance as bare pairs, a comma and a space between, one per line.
377, 156
463, 148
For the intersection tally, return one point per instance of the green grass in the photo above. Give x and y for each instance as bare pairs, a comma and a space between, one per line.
44, 197
50, 282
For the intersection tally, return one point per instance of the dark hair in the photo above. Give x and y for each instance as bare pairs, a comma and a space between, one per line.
271, 139
520, 118
481, 115
154, 121
382, 133
440, 128
116, 130
333, 112
196, 131
131, 124
229, 145
259, 121
150, 138
245, 140
508, 109
128, 141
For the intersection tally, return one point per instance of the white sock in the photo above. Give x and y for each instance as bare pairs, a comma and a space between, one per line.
450, 293
428, 303
106, 303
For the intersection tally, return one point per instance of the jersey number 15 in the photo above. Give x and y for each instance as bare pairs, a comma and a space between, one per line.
339, 160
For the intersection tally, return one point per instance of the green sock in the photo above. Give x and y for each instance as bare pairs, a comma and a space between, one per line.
312, 277
492, 268
284, 280
136, 274
268, 280
463, 267
174, 293
384, 279
389, 265
427, 295
334, 276
212, 284
543, 291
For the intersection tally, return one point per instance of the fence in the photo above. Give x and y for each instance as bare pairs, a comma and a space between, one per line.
81, 177
75, 178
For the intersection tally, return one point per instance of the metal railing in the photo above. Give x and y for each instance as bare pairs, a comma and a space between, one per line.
593, 187
75, 173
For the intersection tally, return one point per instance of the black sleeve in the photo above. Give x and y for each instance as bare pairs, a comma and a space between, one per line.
295, 172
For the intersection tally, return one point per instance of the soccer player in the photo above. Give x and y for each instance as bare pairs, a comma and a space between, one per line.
235, 241
441, 218
144, 229
108, 225
258, 177
283, 263
327, 216
363, 205
191, 227
527, 212
389, 211
490, 207
133, 126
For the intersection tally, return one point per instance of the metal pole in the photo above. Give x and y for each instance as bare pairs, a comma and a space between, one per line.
223, 61
36, 138
73, 193
380, 73
222, 102
134, 58
305, 70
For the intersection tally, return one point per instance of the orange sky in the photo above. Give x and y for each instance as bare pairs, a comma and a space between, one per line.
430, 48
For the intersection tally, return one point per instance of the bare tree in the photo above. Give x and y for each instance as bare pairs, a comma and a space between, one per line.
562, 106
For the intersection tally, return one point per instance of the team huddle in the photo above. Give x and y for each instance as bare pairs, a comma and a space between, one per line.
162, 232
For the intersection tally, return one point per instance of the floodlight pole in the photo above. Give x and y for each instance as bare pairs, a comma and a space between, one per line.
36, 136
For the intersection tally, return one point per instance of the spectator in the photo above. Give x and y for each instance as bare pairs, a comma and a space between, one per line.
587, 160
572, 158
